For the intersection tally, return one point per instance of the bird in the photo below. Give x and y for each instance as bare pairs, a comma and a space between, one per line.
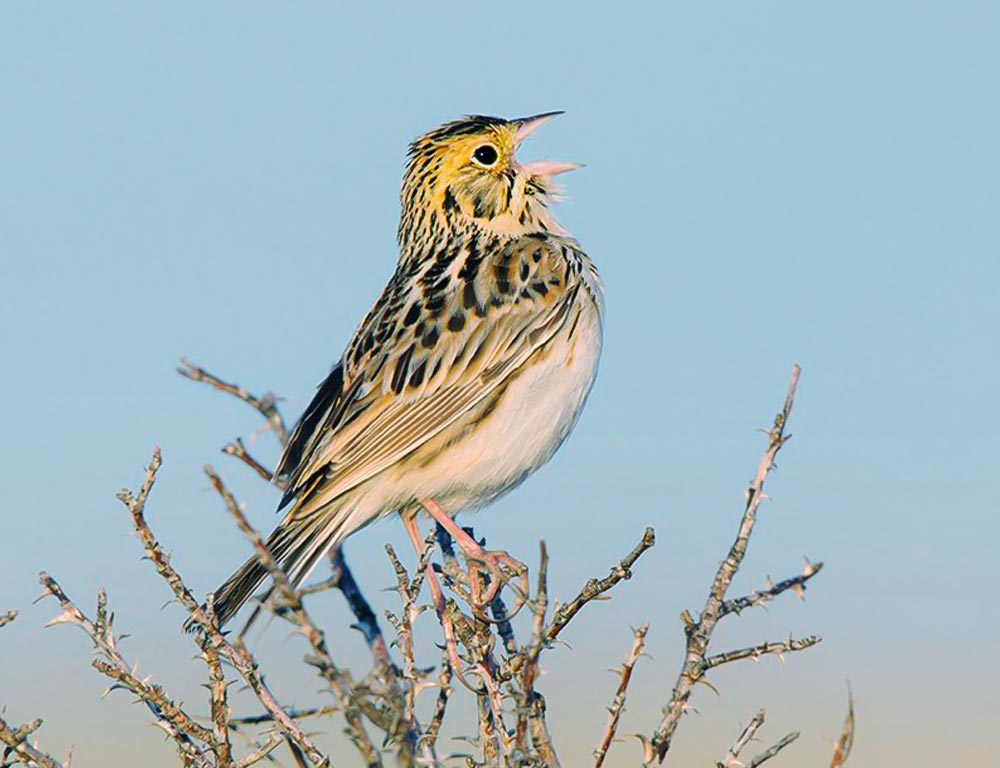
466, 375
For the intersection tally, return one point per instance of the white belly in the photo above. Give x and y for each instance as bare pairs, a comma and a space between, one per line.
535, 415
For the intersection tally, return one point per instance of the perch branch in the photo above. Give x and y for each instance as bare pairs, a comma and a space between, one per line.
367, 623
511, 712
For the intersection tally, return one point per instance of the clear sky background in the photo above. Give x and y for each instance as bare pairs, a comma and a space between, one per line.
765, 183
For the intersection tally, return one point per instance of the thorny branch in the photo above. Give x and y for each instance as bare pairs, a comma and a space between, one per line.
266, 405
731, 760
388, 699
238, 450
756, 651
732, 757
594, 589
288, 604
16, 738
699, 631
618, 705
773, 750
762, 597
234, 652
19, 747
842, 748
168, 715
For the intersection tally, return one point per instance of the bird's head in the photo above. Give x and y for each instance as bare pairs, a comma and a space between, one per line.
465, 173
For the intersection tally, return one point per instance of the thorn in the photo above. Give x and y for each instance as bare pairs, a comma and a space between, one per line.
704, 681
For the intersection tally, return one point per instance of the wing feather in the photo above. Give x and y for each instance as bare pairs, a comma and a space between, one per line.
430, 370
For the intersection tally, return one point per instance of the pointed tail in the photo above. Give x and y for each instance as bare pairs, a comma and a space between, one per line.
297, 545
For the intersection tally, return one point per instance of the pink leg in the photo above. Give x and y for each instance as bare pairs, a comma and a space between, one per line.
451, 643
493, 560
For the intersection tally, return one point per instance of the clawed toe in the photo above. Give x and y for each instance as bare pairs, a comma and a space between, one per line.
487, 568
484, 566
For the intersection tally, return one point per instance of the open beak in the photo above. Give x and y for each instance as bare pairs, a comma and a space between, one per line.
526, 127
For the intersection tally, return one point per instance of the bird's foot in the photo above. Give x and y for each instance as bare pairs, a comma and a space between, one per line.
492, 569
488, 569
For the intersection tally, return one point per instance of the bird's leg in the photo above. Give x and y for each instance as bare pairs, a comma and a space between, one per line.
493, 560
451, 643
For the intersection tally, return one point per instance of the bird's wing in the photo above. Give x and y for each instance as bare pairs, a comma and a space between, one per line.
434, 345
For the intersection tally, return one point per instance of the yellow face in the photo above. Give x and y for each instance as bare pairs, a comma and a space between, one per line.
467, 171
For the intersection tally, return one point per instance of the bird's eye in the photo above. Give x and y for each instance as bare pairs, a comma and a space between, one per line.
485, 155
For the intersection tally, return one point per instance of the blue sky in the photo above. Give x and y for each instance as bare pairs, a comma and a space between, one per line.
765, 184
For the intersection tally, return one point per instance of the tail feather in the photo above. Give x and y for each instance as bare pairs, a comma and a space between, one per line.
297, 546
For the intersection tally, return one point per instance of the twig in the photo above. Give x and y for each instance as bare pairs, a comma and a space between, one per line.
234, 652
441, 704
387, 695
540, 738
618, 704
367, 623
489, 728
756, 651
731, 760
265, 405
593, 589
842, 749
16, 740
529, 656
262, 751
218, 704
404, 625
169, 715
771, 751
409, 590
796, 583
238, 450
298, 714
699, 632
502, 617
339, 681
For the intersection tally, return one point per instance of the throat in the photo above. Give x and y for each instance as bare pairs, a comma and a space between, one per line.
424, 231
